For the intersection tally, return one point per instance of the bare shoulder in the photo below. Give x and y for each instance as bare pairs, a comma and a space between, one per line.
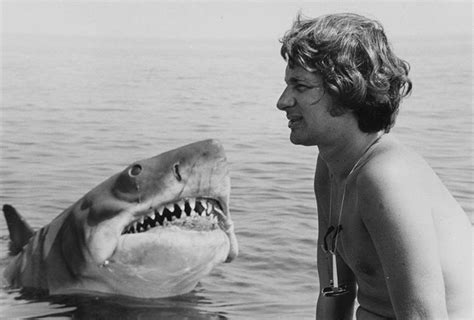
393, 171
396, 181
392, 165
399, 195
396, 187
390, 154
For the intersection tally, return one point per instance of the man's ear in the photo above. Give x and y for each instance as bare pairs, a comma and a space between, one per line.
337, 109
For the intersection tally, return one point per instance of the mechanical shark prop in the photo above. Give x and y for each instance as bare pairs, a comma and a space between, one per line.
151, 231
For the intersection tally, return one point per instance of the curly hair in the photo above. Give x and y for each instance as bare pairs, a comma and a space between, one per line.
357, 63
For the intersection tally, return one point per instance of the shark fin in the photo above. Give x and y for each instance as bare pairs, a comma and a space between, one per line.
20, 230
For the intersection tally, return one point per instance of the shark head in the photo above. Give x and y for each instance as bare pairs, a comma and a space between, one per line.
154, 229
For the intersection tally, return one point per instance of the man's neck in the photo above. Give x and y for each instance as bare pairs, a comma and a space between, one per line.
342, 156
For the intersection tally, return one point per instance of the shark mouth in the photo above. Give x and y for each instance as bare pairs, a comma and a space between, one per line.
195, 214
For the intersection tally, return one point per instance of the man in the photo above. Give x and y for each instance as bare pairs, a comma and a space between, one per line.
390, 233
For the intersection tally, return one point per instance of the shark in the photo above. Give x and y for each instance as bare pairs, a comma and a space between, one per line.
153, 230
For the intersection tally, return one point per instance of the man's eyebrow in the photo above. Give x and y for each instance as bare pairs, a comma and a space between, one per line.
295, 79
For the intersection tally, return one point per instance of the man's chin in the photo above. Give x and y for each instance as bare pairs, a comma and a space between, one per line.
296, 140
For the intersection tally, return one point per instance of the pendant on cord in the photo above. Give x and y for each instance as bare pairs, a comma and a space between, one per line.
334, 289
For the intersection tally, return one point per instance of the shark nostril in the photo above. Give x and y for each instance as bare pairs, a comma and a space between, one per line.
135, 170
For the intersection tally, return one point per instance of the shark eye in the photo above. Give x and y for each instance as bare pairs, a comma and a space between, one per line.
135, 170
176, 171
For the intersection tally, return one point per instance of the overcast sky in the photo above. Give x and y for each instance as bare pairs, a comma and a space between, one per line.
222, 19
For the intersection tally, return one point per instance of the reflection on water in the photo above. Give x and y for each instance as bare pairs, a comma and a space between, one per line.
83, 307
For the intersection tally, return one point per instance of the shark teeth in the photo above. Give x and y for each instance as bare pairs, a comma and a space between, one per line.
163, 216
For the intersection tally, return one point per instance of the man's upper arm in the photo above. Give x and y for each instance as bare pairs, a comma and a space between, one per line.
396, 211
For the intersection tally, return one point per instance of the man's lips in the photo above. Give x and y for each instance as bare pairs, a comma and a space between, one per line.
294, 120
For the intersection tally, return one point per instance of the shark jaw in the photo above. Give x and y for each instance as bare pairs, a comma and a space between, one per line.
193, 214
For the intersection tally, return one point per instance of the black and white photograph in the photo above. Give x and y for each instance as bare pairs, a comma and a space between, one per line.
236, 159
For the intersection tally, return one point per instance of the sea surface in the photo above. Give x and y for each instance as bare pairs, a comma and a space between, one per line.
76, 110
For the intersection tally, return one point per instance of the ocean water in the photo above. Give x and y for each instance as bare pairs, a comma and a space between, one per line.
76, 110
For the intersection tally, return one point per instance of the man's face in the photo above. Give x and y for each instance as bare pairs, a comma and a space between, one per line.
306, 105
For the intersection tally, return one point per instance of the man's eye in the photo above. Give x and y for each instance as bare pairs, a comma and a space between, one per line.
301, 87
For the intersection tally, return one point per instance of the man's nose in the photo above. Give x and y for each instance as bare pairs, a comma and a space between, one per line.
286, 100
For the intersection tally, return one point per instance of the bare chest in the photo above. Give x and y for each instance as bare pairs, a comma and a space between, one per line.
340, 207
